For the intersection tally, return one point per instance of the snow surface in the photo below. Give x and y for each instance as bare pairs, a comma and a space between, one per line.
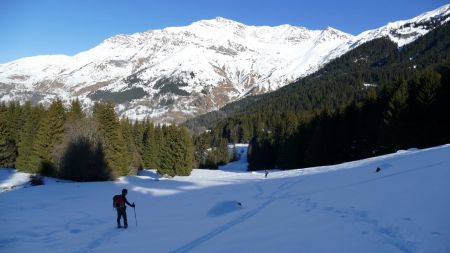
341, 208
11, 179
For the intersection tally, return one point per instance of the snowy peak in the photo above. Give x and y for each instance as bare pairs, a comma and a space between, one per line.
401, 32
220, 22
438, 15
406, 31
333, 34
179, 72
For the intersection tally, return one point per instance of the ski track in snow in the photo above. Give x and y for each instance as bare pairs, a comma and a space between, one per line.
217, 231
248, 215
104, 237
390, 234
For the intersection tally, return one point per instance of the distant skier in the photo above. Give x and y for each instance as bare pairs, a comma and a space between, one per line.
119, 202
266, 173
378, 170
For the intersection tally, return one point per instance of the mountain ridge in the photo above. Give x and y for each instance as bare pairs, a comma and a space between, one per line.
176, 73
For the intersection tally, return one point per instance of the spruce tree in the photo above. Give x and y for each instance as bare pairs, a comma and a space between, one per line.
112, 139
49, 137
134, 159
168, 152
188, 153
176, 152
138, 136
395, 126
7, 143
149, 147
31, 118
75, 112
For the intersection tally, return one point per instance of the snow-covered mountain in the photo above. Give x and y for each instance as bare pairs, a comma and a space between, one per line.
341, 208
179, 72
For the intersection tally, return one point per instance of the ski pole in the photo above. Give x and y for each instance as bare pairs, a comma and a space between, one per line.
134, 209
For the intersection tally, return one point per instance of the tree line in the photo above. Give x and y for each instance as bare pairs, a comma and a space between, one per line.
69, 144
405, 114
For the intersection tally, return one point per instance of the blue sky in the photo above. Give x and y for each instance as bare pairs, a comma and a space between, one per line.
34, 27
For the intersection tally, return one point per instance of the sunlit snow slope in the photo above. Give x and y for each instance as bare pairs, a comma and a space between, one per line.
341, 208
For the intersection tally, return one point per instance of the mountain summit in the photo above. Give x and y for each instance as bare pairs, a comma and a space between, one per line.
179, 72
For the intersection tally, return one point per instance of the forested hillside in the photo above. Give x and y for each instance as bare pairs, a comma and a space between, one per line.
373, 100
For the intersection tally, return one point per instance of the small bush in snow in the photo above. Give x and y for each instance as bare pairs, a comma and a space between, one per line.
36, 180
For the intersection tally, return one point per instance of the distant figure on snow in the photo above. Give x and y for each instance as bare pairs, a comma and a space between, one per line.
119, 202
378, 170
266, 173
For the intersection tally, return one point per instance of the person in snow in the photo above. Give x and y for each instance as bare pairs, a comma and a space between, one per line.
120, 205
266, 173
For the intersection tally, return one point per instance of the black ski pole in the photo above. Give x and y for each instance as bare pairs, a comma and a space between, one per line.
134, 208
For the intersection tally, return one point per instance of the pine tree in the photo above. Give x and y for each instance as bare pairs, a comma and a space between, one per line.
138, 136
169, 152
201, 145
134, 158
112, 139
49, 137
75, 112
176, 152
31, 119
188, 154
395, 127
150, 148
7, 143
13, 120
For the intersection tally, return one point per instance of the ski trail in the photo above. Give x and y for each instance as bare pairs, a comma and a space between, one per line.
197, 242
221, 229
390, 234
104, 237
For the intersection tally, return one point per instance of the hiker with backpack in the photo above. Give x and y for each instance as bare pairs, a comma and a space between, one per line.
119, 202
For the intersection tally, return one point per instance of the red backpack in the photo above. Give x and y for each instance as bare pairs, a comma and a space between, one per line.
118, 201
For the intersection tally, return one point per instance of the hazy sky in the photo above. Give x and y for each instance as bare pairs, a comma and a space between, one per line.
34, 27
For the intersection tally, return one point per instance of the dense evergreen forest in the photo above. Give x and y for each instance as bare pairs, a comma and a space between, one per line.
68, 144
374, 99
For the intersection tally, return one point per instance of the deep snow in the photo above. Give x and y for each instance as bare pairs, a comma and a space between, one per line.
341, 208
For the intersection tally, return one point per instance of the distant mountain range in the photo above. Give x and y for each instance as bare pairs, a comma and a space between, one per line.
176, 73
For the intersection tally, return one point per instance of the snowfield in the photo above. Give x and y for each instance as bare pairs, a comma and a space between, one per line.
340, 208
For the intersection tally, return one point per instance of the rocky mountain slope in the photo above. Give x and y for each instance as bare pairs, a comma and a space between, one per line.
180, 72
